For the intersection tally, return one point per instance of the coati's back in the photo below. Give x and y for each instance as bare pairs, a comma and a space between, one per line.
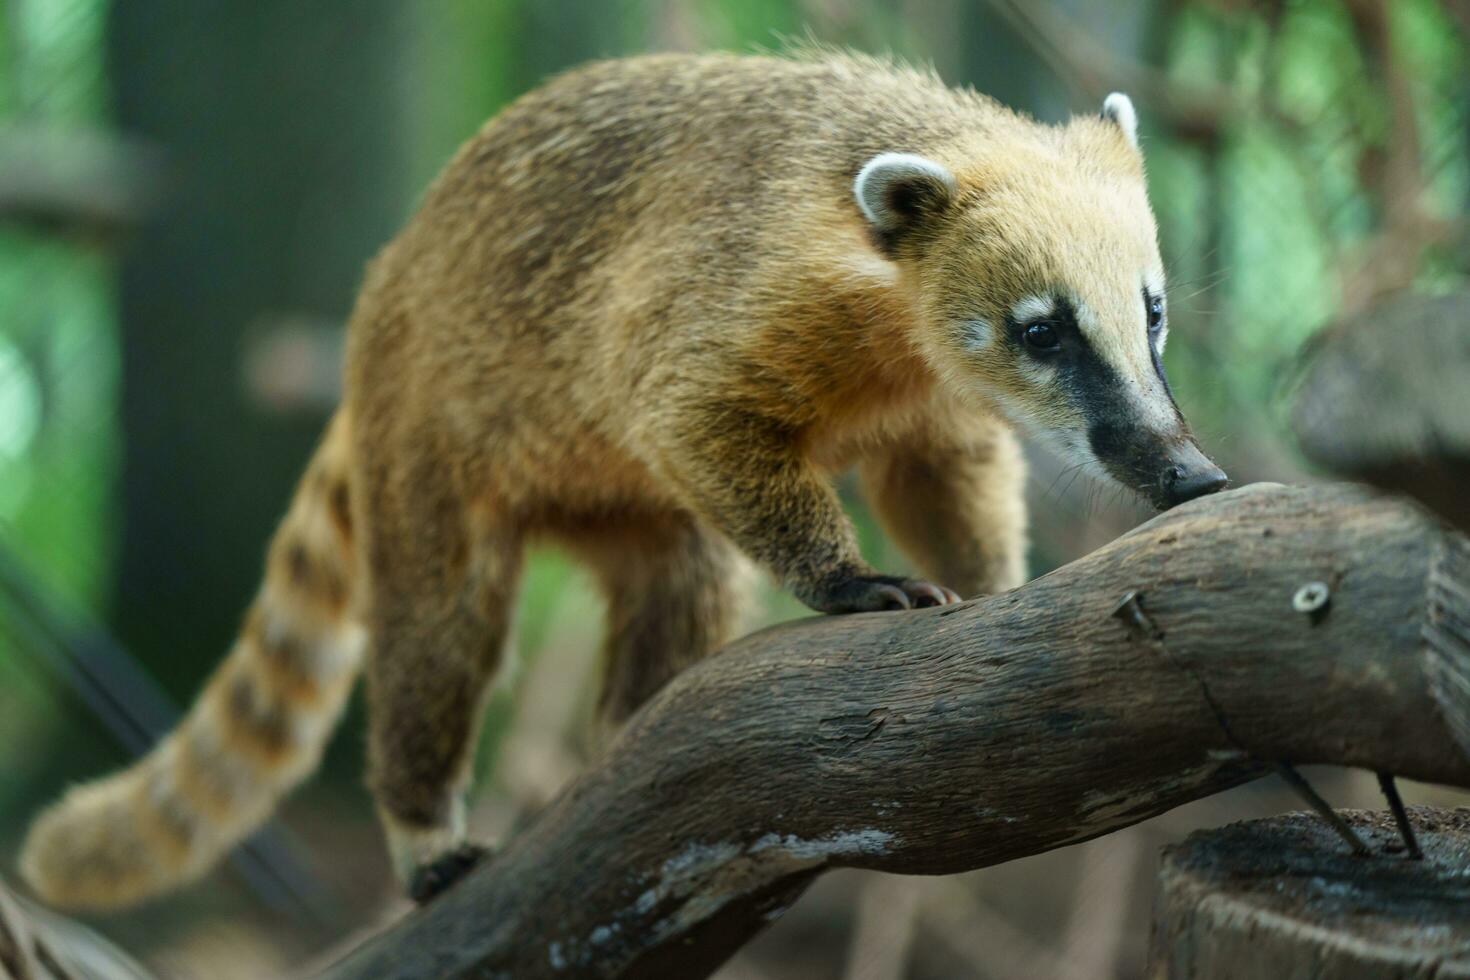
630, 228
629, 198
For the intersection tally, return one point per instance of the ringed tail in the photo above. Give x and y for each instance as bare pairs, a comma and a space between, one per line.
256, 731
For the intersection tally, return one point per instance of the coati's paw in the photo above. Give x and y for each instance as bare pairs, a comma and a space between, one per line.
433, 878
871, 593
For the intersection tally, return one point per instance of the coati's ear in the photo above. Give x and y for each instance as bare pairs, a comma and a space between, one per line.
1118, 110
896, 191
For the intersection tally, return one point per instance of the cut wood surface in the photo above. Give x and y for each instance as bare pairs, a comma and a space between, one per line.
1281, 897
1167, 666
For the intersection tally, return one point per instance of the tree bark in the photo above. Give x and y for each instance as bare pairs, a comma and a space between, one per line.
1282, 898
1167, 666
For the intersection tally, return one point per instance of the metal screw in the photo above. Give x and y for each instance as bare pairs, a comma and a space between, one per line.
1311, 598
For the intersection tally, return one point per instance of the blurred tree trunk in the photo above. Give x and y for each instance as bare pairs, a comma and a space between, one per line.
281, 127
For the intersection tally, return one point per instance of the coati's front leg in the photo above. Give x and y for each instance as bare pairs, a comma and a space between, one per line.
748, 476
953, 498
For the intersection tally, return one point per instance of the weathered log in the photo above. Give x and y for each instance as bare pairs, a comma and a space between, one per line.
1281, 898
1164, 667
1384, 400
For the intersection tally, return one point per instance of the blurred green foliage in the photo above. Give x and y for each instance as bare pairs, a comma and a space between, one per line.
1263, 226
58, 357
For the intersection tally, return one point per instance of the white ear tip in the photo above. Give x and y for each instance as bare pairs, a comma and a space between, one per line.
886, 169
1118, 108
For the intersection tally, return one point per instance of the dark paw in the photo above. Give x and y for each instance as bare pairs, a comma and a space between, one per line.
871, 593
433, 878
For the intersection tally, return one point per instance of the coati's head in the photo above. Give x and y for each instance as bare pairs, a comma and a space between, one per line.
1037, 273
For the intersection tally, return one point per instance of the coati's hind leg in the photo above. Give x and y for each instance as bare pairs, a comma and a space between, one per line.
676, 590
441, 599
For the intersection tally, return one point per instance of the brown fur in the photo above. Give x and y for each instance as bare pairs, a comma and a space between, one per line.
639, 314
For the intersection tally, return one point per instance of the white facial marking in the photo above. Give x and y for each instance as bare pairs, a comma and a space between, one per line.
1118, 108
1034, 308
976, 334
880, 174
1034, 371
1070, 446
1087, 320
1074, 448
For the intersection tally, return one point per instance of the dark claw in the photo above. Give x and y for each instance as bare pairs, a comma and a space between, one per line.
433, 878
1400, 815
893, 597
868, 593
1324, 810
927, 595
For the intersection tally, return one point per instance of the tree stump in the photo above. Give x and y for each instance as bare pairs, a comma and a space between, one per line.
1282, 898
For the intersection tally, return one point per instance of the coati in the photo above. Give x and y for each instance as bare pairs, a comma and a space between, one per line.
647, 313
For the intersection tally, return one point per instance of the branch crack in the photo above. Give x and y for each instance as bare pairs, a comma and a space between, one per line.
1142, 626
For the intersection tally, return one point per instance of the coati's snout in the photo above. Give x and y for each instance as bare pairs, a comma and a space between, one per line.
1167, 470
1134, 428
1185, 480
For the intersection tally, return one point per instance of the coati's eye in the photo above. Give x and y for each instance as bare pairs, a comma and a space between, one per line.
1042, 337
1155, 307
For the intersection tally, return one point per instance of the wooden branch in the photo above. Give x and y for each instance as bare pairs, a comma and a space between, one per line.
1279, 898
942, 740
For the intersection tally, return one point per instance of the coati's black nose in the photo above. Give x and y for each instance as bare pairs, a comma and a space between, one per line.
1182, 482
